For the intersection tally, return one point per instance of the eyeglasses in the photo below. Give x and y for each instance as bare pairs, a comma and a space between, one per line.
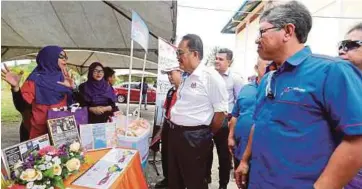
63, 56
347, 45
180, 52
98, 71
265, 30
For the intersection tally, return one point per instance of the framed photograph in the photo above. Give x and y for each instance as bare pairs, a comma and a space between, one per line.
63, 131
19, 152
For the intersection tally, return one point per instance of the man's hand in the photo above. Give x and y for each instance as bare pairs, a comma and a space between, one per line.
241, 174
217, 121
231, 144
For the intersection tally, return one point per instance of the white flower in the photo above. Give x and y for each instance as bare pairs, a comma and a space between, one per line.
49, 165
73, 164
48, 158
17, 173
56, 160
18, 164
48, 182
31, 175
41, 167
57, 170
29, 185
74, 147
51, 187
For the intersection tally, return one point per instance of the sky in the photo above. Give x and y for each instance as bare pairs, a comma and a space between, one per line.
207, 23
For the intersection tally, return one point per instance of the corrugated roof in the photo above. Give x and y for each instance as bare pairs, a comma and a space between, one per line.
247, 6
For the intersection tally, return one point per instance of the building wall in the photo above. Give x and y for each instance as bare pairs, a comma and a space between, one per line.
323, 38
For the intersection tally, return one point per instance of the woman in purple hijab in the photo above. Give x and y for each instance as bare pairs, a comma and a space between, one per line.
48, 86
97, 95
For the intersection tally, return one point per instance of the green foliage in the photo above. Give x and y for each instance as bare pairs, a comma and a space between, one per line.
8, 112
58, 182
49, 173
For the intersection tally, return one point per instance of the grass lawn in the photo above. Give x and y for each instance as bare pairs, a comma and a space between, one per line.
8, 112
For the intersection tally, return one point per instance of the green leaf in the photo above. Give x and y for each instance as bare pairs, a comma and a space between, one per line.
58, 182
49, 173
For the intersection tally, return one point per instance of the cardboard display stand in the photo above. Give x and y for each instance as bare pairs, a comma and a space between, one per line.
19, 152
63, 130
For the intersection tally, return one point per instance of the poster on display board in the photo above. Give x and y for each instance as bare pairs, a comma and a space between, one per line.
19, 152
63, 130
98, 136
166, 59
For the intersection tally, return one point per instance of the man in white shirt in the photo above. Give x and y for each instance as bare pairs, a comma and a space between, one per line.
234, 83
198, 112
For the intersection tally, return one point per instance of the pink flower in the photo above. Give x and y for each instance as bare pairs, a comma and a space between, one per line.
17, 186
51, 150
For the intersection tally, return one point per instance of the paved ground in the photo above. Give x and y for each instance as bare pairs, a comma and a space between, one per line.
10, 136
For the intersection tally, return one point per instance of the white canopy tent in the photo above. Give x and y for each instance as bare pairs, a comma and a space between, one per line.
88, 30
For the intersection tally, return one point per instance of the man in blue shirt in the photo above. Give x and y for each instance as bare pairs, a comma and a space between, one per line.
308, 123
351, 49
241, 121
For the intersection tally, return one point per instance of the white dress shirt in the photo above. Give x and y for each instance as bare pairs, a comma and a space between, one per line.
234, 83
199, 96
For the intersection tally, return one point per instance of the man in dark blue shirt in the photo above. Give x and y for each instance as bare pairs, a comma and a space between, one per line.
144, 87
308, 123
351, 49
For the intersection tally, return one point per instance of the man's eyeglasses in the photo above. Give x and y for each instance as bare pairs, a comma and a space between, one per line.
265, 30
63, 57
180, 52
347, 45
98, 71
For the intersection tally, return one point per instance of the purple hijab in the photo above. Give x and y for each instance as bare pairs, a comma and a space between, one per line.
97, 92
46, 75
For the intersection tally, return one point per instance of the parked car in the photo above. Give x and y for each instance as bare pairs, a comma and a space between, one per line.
122, 90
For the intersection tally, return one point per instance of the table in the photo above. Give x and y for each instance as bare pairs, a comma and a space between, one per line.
131, 178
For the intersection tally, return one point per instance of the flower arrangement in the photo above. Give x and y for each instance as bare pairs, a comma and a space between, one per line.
48, 167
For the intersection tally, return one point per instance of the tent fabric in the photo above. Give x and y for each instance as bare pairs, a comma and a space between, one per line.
95, 26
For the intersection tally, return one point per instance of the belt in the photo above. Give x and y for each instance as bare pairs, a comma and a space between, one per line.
175, 126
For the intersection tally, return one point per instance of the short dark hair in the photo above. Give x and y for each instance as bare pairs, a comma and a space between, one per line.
108, 72
356, 27
194, 42
292, 12
228, 52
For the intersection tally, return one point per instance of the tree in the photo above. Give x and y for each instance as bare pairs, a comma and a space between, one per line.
210, 60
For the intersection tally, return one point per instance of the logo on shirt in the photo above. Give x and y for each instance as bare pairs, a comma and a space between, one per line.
193, 85
289, 89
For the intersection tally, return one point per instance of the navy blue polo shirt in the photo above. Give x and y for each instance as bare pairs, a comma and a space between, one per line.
243, 110
317, 99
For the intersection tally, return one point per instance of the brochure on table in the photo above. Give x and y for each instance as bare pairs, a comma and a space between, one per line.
63, 131
106, 171
98, 136
21, 151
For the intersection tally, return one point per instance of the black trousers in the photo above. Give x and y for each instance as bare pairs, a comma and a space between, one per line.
164, 148
221, 143
188, 152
